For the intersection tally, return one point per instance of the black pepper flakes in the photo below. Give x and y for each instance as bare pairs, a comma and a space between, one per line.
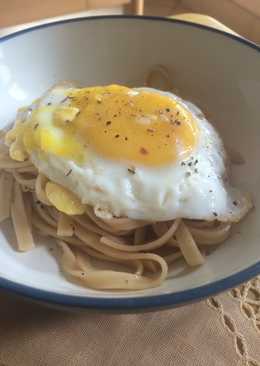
187, 174
196, 162
210, 191
36, 126
196, 171
215, 214
235, 203
108, 123
68, 173
64, 100
49, 103
190, 163
126, 138
117, 135
167, 109
178, 123
131, 170
182, 163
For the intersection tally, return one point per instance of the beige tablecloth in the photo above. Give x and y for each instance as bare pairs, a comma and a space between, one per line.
223, 330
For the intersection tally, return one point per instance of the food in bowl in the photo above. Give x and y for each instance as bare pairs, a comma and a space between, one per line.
133, 177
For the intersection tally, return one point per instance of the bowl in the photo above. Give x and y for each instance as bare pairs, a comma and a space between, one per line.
217, 71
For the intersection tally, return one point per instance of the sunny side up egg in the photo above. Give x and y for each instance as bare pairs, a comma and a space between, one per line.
138, 153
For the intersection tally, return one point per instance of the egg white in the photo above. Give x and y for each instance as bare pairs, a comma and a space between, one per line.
196, 188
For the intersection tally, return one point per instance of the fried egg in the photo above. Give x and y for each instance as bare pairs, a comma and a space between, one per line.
139, 153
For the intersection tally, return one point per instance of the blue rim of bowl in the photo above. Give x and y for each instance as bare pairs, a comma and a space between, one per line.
139, 302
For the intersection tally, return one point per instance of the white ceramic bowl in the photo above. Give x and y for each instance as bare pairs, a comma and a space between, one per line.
217, 71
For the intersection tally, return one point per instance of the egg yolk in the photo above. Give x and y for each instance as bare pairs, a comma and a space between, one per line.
118, 123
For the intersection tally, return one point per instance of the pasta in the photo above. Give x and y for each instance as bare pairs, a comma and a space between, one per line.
143, 251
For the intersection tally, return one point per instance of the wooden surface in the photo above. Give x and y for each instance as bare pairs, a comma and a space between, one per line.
243, 16
14, 12
138, 7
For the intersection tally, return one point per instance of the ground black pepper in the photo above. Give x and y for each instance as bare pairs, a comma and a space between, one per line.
131, 170
68, 173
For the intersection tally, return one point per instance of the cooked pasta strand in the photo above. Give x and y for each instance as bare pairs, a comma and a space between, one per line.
20, 221
144, 247
211, 236
11, 164
188, 246
27, 183
6, 189
65, 225
44, 214
109, 279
